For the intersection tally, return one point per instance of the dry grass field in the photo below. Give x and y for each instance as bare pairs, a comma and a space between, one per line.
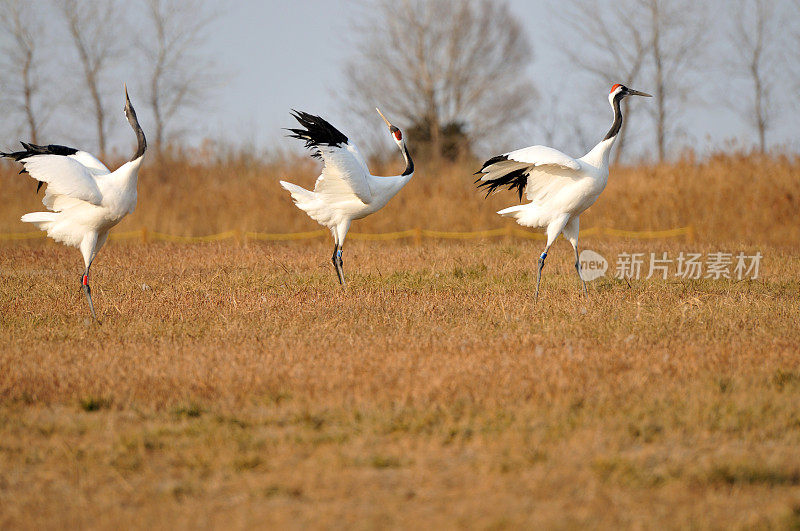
237, 386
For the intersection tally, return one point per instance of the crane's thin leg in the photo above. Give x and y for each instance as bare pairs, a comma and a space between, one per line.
570, 232
553, 230
337, 262
539, 274
88, 291
89, 246
578, 268
339, 234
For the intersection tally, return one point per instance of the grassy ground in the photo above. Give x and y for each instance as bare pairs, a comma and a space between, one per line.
234, 386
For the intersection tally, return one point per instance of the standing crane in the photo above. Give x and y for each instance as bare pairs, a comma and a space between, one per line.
559, 187
345, 190
85, 199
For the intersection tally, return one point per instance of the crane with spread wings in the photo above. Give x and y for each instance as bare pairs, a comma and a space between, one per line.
84, 197
345, 190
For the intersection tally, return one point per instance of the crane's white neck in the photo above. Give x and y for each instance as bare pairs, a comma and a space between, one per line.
600, 154
128, 173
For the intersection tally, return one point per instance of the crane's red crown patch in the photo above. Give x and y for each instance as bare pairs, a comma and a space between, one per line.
615, 87
398, 135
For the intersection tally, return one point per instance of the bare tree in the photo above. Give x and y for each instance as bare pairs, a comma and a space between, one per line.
793, 53
676, 33
446, 66
23, 64
178, 75
655, 43
561, 124
755, 41
94, 28
608, 44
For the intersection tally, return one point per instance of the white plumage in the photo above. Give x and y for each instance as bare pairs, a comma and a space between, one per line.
558, 186
85, 199
345, 190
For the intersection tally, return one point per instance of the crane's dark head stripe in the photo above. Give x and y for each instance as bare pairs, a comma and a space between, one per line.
615, 127
409, 162
130, 114
317, 132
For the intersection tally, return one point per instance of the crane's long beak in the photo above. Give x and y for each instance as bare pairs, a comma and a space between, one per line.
128, 105
632, 92
388, 123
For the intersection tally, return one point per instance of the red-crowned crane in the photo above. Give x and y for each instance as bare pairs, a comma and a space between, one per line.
559, 187
345, 190
85, 198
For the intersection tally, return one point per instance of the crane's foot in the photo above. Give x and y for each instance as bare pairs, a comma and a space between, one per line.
88, 292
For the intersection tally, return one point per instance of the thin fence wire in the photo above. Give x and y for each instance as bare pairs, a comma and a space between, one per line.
145, 235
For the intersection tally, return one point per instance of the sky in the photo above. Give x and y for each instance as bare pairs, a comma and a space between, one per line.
284, 55
279, 55
275, 55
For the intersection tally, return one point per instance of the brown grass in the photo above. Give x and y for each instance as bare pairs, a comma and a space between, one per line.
238, 386
731, 198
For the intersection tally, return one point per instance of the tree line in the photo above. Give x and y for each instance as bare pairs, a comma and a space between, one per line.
459, 73
467, 65
62, 53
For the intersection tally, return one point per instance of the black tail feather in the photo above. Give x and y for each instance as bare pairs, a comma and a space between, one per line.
317, 132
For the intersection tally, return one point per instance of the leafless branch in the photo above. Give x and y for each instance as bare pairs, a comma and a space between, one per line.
754, 38
23, 64
178, 76
94, 28
652, 43
445, 63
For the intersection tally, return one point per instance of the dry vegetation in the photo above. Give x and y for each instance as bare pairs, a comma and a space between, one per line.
727, 198
231, 386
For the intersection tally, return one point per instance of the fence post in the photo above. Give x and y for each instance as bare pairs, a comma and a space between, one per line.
418, 236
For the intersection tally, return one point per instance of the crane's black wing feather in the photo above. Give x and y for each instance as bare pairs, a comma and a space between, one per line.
317, 132
33, 149
493, 160
515, 179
